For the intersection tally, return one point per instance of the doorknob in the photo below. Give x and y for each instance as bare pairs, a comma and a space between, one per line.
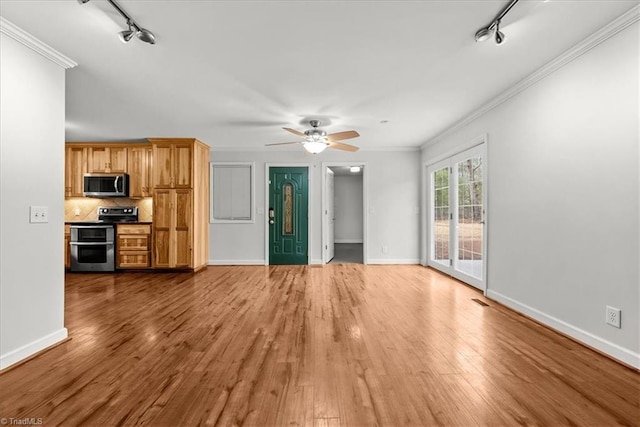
272, 215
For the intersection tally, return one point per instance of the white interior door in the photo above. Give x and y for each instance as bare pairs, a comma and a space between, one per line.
457, 216
331, 216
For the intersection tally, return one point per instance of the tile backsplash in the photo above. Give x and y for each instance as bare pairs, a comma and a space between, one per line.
86, 208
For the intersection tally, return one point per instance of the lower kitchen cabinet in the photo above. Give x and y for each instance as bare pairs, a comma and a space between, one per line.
133, 246
172, 228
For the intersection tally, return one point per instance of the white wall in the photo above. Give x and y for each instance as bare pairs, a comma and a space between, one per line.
394, 220
563, 196
348, 209
32, 116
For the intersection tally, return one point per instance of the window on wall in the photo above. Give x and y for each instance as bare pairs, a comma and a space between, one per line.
232, 192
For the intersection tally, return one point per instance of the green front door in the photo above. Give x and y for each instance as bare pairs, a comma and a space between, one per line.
287, 216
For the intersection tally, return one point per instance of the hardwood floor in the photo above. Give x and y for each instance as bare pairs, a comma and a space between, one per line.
339, 345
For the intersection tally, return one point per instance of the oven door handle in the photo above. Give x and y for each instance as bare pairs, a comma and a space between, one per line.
90, 243
80, 227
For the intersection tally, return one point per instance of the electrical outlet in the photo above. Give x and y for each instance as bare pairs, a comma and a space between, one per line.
38, 214
385, 249
613, 316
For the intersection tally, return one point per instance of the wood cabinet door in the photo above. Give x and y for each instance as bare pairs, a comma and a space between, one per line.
162, 227
182, 164
107, 159
98, 159
162, 165
67, 246
75, 168
138, 168
133, 259
117, 159
183, 228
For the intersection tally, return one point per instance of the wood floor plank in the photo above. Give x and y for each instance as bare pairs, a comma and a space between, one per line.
341, 345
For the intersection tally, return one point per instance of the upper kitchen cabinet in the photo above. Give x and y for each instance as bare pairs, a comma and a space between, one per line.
139, 168
104, 159
173, 159
75, 168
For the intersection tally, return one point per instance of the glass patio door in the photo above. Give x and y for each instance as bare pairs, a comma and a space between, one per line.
457, 216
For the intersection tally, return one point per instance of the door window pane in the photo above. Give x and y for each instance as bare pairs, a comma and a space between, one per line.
440, 236
469, 198
287, 204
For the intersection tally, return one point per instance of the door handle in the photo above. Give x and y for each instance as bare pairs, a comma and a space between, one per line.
272, 215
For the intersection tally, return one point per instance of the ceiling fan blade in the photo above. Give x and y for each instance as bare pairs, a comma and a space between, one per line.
342, 146
282, 143
342, 135
295, 132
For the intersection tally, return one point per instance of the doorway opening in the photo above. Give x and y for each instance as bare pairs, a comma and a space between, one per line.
344, 213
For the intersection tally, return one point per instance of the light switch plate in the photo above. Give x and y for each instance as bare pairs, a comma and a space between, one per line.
38, 214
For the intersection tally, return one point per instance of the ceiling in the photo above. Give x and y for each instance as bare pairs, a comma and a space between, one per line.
233, 73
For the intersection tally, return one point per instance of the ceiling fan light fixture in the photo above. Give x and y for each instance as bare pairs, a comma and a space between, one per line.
315, 146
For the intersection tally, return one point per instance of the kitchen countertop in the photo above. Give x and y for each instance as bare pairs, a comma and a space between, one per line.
107, 223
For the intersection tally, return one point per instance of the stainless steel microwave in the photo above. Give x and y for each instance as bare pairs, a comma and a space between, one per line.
104, 185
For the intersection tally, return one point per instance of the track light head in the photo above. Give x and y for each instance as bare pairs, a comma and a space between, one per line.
486, 32
483, 34
499, 34
134, 29
146, 36
126, 35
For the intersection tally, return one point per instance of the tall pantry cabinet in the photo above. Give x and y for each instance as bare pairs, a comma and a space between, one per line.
180, 203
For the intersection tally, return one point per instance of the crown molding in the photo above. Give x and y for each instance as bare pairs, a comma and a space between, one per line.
614, 27
18, 34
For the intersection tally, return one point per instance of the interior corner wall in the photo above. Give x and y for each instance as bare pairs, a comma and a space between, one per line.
348, 209
32, 118
393, 180
563, 196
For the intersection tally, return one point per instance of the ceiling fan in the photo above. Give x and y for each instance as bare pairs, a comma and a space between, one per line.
316, 140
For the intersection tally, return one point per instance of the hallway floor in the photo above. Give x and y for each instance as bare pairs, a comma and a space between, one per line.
348, 253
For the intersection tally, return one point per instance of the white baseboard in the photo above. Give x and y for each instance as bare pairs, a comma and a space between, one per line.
348, 241
317, 261
21, 353
235, 262
617, 352
393, 261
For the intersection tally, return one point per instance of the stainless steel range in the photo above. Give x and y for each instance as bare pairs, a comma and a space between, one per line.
93, 242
